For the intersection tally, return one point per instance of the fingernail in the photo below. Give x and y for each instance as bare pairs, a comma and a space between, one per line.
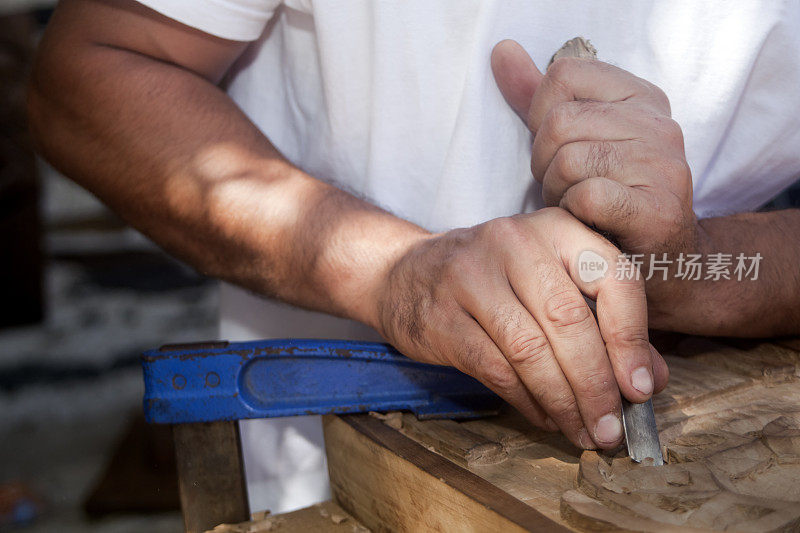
608, 429
550, 424
585, 440
642, 380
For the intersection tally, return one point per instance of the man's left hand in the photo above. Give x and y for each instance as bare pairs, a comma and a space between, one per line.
605, 148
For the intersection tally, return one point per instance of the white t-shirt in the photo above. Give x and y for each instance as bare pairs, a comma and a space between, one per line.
395, 101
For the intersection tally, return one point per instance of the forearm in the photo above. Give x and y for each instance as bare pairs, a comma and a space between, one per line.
766, 306
174, 156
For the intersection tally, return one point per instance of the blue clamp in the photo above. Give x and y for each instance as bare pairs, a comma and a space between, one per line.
286, 377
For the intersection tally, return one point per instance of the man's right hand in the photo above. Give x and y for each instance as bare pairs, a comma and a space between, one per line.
504, 302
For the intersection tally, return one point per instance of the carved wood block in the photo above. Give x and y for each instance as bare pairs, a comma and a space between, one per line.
729, 423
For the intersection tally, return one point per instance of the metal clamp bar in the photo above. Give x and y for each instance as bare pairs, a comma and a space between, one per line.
286, 377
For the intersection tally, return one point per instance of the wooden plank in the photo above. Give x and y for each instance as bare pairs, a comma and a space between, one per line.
455, 441
391, 483
325, 517
538, 466
210, 474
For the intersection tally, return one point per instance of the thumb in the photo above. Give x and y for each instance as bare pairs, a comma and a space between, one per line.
516, 75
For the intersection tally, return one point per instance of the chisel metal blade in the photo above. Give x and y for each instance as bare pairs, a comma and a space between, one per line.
641, 433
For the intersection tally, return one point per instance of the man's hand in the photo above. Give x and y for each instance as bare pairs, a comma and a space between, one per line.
504, 302
605, 148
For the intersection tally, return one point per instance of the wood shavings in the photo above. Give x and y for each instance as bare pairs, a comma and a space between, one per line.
577, 47
393, 419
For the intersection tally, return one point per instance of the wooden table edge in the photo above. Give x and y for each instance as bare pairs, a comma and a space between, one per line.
462, 480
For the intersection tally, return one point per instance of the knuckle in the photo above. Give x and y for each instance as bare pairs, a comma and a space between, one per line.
460, 238
557, 121
602, 158
670, 130
566, 312
630, 336
556, 216
567, 163
675, 168
562, 407
661, 97
528, 348
562, 70
520, 345
500, 378
506, 229
595, 386
558, 225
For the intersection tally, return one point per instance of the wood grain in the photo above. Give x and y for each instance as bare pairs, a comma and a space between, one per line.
391, 483
729, 423
455, 442
733, 451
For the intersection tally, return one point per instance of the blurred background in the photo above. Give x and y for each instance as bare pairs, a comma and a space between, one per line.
83, 295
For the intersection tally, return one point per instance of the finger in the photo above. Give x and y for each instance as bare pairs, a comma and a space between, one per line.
571, 78
606, 205
579, 349
477, 355
578, 161
572, 122
544, 288
526, 347
621, 308
622, 315
516, 75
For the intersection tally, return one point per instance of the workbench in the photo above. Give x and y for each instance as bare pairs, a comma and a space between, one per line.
729, 423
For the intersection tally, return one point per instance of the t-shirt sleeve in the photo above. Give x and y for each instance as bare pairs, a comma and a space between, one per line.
237, 20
